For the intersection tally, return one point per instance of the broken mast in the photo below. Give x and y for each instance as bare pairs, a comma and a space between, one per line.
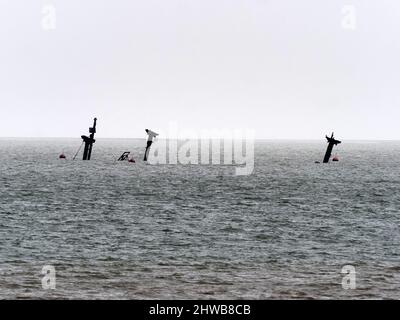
331, 143
87, 153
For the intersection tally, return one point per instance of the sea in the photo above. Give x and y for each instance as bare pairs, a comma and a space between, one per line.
293, 229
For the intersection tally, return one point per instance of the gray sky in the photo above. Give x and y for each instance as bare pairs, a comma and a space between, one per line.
285, 68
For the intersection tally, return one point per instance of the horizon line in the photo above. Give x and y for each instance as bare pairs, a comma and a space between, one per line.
211, 138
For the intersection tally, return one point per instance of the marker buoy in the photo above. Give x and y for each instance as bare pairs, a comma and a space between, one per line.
62, 156
335, 158
131, 160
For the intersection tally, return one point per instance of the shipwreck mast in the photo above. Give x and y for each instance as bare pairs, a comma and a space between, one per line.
331, 143
87, 153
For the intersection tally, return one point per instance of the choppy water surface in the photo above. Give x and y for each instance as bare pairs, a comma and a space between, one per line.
132, 231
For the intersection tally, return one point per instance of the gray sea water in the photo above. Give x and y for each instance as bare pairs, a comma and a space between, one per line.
132, 231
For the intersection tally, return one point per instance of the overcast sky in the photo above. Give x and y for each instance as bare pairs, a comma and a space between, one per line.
285, 68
